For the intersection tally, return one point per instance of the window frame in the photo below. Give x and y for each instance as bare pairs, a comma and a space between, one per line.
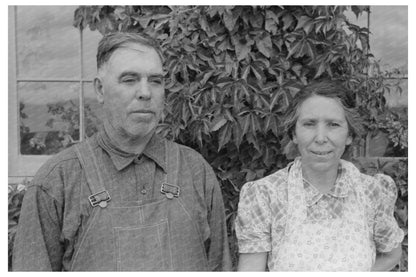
26, 166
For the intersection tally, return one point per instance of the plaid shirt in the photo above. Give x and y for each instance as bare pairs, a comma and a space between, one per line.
55, 208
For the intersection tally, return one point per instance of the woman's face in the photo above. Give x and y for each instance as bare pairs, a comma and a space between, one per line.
321, 133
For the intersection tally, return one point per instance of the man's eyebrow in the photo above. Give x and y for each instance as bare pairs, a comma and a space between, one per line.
156, 75
127, 73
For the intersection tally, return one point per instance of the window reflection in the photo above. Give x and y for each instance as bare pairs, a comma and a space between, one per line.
49, 117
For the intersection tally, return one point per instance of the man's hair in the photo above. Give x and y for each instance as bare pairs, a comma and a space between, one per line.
327, 88
113, 41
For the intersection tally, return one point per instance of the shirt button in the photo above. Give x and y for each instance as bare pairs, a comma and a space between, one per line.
143, 191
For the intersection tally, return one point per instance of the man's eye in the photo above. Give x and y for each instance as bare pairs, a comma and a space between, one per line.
128, 80
334, 124
157, 81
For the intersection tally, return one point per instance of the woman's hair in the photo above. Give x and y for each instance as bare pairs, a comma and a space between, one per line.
326, 88
113, 41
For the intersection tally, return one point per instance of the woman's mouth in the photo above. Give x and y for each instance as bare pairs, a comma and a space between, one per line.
321, 153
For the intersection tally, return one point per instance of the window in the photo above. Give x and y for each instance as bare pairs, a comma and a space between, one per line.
388, 27
51, 67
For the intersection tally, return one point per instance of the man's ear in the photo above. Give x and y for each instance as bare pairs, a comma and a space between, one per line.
99, 89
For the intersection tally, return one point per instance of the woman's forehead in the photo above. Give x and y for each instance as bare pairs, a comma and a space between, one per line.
321, 106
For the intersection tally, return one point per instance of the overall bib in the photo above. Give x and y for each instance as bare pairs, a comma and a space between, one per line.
331, 244
161, 234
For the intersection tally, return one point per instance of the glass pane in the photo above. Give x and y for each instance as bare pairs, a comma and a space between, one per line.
388, 38
49, 116
90, 44
47, 43
93, 110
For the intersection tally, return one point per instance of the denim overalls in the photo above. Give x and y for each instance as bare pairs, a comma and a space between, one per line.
153, 235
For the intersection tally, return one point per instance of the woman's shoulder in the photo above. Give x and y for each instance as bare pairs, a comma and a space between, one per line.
378, 187
272, 186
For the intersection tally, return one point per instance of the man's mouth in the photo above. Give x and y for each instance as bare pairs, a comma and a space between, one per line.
142, 112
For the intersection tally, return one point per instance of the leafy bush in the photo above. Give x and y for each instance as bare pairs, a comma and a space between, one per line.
16, 193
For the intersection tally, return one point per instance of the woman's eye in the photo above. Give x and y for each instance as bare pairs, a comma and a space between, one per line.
307, 124
334, 124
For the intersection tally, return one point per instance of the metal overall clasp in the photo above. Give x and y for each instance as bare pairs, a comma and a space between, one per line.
99, 199
170, 190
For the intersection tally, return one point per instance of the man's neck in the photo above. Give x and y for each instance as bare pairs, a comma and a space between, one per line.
126, 143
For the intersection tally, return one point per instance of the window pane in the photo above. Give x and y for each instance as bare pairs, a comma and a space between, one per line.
49, 116
93, 110
388, 38
90, 44
47, 43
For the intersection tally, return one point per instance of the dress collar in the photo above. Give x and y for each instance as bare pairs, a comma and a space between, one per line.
155, 150
341, 188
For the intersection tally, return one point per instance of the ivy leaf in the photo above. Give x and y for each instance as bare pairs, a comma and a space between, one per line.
287, 21
217, 123
242, 47
304, 22
224, 136
229, 20
265, 45
271, 22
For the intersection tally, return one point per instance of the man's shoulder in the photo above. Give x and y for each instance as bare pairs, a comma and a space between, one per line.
187, 152
66, 160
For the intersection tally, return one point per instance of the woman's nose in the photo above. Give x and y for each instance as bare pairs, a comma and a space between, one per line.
321, 135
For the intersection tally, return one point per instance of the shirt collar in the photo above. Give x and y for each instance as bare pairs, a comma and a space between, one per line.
341, 188
154, 150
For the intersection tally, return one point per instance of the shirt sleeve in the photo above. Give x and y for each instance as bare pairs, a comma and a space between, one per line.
387, 234
219, 257
37, 244
253, 222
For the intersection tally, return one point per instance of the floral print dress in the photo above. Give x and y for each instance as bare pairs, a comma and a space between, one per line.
305, 230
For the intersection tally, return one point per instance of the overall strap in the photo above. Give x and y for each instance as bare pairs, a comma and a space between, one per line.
172, 160
93, 173
171, 187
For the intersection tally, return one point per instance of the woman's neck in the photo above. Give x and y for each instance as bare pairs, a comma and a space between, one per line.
323, 181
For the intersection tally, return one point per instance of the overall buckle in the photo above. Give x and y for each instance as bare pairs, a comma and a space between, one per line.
99, 199
170, 190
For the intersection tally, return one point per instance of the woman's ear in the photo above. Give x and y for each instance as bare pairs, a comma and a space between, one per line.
294, 139
99, 89
349, 140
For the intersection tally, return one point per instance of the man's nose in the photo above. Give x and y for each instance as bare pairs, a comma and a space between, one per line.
321, 135
143, 91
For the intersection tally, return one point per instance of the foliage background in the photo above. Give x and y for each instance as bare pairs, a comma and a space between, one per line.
232, 72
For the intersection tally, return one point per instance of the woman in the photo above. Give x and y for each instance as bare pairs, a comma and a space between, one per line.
319, 213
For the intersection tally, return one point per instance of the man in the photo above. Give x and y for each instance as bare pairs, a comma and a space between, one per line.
124, 199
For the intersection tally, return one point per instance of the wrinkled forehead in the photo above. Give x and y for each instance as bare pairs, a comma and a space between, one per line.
125, 54
318, 105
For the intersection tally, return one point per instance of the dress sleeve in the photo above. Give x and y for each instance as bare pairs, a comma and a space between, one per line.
253, 222
387, 234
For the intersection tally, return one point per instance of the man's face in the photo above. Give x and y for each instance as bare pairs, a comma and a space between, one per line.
131, 88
